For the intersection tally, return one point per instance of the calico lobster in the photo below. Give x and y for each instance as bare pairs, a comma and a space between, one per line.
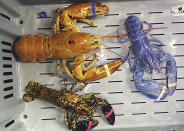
84, 105
148, 57
67, 20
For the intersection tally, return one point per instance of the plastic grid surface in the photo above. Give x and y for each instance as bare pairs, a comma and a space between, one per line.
133, 110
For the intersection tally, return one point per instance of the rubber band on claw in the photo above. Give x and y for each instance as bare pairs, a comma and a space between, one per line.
93, 8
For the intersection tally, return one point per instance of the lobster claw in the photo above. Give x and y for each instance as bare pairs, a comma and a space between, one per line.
108, 112
96, 73
85, 125
152, 89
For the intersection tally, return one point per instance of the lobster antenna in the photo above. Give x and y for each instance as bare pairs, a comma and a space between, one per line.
112, 36
111, 50
88, 57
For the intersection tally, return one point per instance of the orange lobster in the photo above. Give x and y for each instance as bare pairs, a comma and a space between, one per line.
37, 48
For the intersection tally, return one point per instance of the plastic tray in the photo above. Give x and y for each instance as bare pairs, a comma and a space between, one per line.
133, 110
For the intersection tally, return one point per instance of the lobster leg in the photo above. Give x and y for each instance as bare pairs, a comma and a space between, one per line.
57, 68
57, 24
80, 89
93, 100
67, 70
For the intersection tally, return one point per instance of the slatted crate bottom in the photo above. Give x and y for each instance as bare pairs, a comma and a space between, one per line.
133, 110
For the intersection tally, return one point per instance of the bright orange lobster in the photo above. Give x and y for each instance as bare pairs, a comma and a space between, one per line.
68, 44
35, 48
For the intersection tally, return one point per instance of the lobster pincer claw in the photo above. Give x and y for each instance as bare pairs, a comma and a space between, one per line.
108, 112
85, 125
82, 10
96, 73
152, 89
171, 73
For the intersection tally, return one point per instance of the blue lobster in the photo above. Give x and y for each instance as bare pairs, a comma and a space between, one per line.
148, 57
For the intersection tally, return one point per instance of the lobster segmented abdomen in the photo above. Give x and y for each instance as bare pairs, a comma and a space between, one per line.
32, 48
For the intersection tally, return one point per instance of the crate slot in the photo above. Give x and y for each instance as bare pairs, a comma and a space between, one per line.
112, 48
6, 43
160, 101
8, 88
7, 58
178, 44
48, 119
7, 66
116, 103
179, 100
179, 89
46, 73
45, 28
156, 12
98, 116
119, 114
161, 112
7, 73
8, 96
179, 111
9, 123
94, 82
115, 92
5, 16
135, 91
156, 34
133, 13
114, 59
51, 107
90, 26
159, 79
157, 23
181, 22
177, 33
110, 14
142, 102
6, 51
139, 113
111, 25
114, 81
178, 55
8, 81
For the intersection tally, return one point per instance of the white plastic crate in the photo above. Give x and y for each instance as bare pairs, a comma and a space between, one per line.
133, 110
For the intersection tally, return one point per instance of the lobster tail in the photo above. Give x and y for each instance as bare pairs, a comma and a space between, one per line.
32, 48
